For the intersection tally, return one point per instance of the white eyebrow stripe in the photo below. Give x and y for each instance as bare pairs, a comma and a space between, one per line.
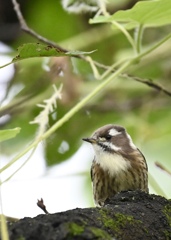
131, 142
113, 132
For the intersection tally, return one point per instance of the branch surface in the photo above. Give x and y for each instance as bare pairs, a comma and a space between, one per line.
127, 216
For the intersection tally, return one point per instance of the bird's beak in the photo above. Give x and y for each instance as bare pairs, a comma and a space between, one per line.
90, 140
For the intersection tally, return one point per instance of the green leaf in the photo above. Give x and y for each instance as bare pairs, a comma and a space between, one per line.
9, 133
33, 50
30, 50
148, 13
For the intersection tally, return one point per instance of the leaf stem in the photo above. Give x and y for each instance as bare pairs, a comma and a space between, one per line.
138, 38
22, 165
158, 44
126, 33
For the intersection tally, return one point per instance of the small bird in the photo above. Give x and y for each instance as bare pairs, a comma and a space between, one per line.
118, 164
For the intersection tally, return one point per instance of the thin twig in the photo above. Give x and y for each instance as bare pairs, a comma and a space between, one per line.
41, 205
28, 30
148, 82
163, 168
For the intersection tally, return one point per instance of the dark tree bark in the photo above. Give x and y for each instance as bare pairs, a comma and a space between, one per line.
128, 216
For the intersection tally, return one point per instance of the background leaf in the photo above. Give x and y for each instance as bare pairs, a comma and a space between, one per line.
9, 133
147, 13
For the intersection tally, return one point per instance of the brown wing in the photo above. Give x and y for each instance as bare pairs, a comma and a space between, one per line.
145, 173
143, 158
91, 171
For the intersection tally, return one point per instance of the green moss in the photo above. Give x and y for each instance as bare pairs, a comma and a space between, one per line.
167, 235
75, 229
21, 238
100, 234
167, 213
119, 221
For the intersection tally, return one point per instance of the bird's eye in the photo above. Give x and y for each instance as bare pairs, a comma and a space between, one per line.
108, 137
